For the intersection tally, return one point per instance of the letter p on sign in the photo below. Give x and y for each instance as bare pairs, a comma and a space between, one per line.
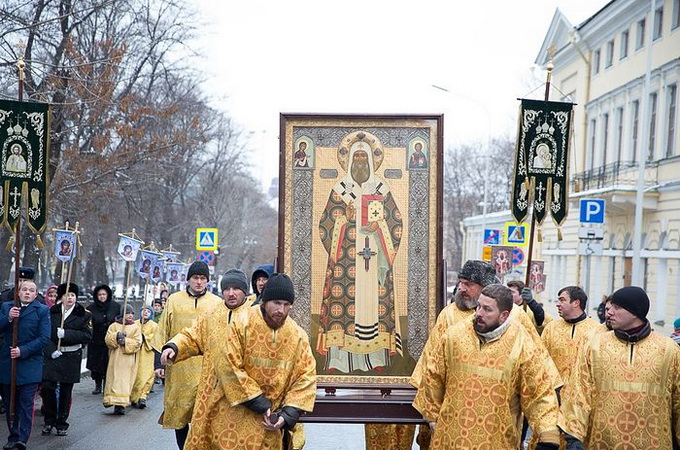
592, 210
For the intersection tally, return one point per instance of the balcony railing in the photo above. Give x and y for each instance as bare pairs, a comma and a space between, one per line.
620, 173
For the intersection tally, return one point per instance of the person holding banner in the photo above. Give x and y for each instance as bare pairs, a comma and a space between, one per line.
25, 273
181, 379
34, 333
63, 355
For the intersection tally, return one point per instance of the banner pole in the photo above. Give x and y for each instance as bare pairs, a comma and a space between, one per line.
546, 97
17, 263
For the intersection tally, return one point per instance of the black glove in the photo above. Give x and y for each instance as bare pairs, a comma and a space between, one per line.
526, 295
545, 446
120, 338
259, 404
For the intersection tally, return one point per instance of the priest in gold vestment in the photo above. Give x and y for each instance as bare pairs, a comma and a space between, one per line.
565, 337
181, 380
259, 373
624, 392
482, 376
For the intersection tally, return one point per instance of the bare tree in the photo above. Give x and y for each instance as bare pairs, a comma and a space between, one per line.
133, 140
464, 173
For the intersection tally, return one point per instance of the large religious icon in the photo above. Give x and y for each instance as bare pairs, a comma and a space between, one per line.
361, 238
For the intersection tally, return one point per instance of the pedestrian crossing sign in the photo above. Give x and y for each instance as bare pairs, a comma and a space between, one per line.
206, 239
515, 233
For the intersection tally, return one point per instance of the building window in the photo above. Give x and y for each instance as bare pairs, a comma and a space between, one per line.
640, 35
675, 20
593, 134
619, 133
609, 60
596, 62
624, 44
658, 23
605, 138
672, 115
652, 126
635, 114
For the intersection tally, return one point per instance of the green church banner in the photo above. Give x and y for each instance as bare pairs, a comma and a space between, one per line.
24, 147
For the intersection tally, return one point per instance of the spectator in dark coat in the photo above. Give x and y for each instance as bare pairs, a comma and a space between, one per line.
104, 311
63, 356
259, 279
34, 332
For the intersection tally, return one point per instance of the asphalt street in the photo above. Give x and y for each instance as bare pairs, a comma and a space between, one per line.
94, 427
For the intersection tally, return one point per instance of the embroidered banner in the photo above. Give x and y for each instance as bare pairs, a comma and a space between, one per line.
24, 146
541, 160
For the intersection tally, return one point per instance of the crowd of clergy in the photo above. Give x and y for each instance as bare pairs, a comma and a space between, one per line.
497, 372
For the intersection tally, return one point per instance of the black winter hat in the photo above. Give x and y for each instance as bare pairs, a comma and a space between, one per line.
26, 273
279, 287
633, 299
234, 278
198, 268
479, 272
61, 289
107, 289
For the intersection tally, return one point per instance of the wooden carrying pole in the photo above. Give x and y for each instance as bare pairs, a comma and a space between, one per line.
546, 97
68, 284
17, 248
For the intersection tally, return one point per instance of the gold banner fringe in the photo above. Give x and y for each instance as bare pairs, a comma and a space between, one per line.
559, 233
10, 243
540, 235
39, 242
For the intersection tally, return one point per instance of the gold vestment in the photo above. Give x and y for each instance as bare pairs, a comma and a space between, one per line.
122, 368
181, 380
475, 392
624, 394
242, 361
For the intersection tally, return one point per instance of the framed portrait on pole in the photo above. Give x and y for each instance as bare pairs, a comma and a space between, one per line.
360, 233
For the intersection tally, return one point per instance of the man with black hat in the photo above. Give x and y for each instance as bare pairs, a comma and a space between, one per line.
625, 387
248, 391
34, 332
25, 273
181, 380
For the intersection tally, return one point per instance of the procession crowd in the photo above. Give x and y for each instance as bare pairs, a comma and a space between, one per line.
497, 372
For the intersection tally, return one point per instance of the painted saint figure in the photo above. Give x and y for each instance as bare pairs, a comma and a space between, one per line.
418, 160
15, 161
301, 158
360, 229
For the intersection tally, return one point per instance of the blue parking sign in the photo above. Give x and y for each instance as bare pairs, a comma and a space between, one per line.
591, 210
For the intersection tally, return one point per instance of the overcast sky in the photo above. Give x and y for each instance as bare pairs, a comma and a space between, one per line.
265, 57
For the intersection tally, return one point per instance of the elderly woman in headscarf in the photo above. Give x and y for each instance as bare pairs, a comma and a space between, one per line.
51, 295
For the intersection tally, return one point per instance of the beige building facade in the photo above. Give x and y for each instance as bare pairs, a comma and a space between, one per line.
622, 69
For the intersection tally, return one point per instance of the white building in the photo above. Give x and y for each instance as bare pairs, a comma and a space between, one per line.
620, 121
